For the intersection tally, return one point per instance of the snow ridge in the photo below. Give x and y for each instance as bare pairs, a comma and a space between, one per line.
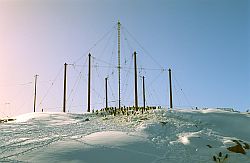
156, 136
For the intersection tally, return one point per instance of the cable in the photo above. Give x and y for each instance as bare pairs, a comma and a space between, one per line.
155, 78
126, 40
76, 84
127, 77
3, 113
106, 45
17, 84
146, 52
177, 95
123, 68
151, 97
102, 61
100, 79
188, 102
112, 93
45, 95
97, 42
25, 102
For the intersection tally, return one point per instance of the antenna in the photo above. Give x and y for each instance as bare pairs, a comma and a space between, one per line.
89, 82
136, 96
170, 91
35, 93
119, 64
143, 91
64, 86
106, 92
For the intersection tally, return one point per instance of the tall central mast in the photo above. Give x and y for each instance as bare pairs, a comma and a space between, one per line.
119, 64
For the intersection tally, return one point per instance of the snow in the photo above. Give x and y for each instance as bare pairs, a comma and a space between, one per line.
155, 137
110, 138
184, 137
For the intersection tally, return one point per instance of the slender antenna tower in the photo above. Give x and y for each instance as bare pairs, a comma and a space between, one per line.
170, 90
106, 92
35, 93
89, 82
143, 91
64, 87
119, 64
136, 96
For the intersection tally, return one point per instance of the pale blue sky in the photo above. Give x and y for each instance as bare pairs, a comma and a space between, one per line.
205, 42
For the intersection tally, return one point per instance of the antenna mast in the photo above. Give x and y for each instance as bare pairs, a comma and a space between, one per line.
89, 82
35, 93
136, 96
65, 87
119, 64
106, 91
170, 89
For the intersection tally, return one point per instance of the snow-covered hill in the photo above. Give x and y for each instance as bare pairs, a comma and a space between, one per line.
159, 136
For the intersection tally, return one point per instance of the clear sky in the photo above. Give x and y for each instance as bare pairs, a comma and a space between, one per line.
204, 42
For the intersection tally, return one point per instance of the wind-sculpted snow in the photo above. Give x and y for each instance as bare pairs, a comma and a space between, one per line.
158, 136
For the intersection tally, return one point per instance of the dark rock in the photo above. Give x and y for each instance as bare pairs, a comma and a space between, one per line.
214, 158
237, 149
236, 141
163, 123
246, 146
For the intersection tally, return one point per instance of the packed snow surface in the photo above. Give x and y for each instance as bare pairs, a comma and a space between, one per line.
158, 136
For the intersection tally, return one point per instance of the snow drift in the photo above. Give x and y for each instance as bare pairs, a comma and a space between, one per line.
157, 136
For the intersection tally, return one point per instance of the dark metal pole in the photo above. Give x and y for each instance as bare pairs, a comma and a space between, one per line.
136, 97
119, 64
65, 87
170, 91
143, 88
89, 82
106, 91
35, 93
